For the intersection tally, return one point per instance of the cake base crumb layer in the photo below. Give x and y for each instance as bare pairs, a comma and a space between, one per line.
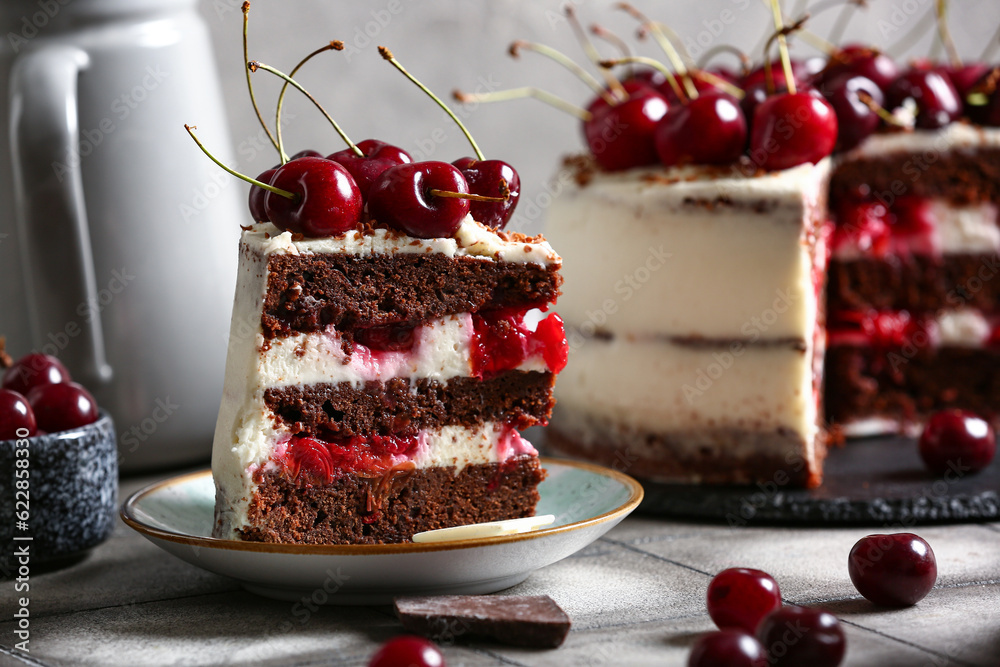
356, 510
778, 457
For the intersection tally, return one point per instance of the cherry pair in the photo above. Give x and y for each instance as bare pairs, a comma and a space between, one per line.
38, 396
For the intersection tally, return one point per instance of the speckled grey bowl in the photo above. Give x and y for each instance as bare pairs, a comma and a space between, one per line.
72, 497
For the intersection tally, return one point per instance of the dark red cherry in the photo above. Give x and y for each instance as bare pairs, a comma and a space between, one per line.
327, 202
856, 121
727, 648
646, 76
984, 108
800, 72
936, 98
792, 129
740, 597
700, 85
33, 370
710, 129
484, 179
257, 194
308, 152
893, 570
799, 636
401, 198
379, 156
60, 407
15, 414
621, 136
407, 651
966, 76
864, 61
957, 440
757, 93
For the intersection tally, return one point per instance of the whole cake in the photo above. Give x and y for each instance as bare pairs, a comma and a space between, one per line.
376, 382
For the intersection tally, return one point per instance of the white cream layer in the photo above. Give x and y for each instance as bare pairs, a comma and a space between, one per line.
649, 252
257, 440
929, 144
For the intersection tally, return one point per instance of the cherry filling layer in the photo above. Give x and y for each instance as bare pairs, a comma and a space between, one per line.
891, 330
907, 227
502, 341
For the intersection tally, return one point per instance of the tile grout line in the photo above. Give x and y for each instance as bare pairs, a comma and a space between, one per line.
496, 656
57, 614
637, 550
949, 658
21, 656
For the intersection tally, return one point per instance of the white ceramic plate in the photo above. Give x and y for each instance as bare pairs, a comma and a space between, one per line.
587, 501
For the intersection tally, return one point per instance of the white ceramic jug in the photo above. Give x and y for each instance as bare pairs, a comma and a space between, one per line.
118, 238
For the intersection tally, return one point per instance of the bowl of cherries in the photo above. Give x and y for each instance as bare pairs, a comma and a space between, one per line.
58, 466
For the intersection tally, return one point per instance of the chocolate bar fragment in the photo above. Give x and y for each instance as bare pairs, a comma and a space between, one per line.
519, 620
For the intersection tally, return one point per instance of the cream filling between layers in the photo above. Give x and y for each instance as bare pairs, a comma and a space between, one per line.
927, 143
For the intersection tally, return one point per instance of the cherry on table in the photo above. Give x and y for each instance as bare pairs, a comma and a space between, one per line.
727, 648
15, 414
740, 597
710, 129
378, 156
796, 636
33, 370
484, 178
856, 121
937, 100
257, 195
791, 129
401, 198
957, 440
327, 201
408, 651
895, 570
60, 407
621, 136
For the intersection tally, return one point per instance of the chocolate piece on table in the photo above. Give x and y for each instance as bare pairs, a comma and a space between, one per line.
520, 620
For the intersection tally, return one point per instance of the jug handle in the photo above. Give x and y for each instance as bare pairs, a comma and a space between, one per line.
60, 281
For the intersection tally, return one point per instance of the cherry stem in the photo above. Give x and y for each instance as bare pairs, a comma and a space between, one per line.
656, 29
719, 82
617, 42
655, 64
822, 45
786, 61
745, 63
254, 66
253, 99
786, 30
518, 93
387, 55
565, 61
945, 34
879, 110
467, 195
253, 181
844, 18
588, 48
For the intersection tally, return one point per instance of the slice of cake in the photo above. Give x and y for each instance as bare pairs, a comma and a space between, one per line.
695, 329
914, 298
376, 383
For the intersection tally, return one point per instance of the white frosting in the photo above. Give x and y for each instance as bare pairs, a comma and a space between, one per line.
963, 328
640, 258
931, 142
471, 240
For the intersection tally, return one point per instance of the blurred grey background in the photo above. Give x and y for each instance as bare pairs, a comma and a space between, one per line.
454, 44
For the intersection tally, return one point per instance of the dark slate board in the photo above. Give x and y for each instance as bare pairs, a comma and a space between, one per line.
868, 482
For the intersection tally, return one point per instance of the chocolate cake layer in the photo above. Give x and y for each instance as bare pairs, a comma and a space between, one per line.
959, 175
905, 384
917, 284
308, 292
403, 407
669, 457
355, 510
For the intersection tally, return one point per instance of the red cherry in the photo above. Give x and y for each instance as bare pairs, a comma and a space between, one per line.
34, 370
700, 85
863, 61
791, 129
60, 407
708, 130
727, 648
987, 113
308, 152
401, 198
310, 460
484, 178
328, 200
864, 225
757, 93
407, 651
740, 597
379, 156
797, 636
936, 98
257, 195
966, 76
893, 570
644, 76
800, 72
621, 136
957, 440
855, 120
15, 414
